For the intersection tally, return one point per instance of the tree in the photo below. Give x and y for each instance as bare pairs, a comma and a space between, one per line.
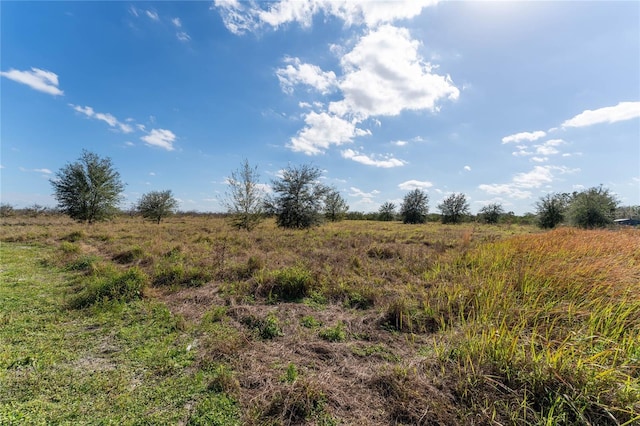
415, 207
550, 209
89, 189
453, 208
245, 198
6, 210
592, 208
491, 213
299, 200
335, 207
156, 205
387, 211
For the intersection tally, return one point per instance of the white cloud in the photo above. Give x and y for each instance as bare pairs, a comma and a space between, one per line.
539, 159
415, 184
467, 168
45, 171
400, 143
183, 36
323, 130
177, 22
622, 111
240, 17
161, 138
152, 15
385, 75
508, 190
524, 136
297, 72
549, 147
365, 197
535, 178
38, 79
106, 117
384, 161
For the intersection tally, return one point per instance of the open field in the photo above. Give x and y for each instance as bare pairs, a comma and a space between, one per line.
191, 322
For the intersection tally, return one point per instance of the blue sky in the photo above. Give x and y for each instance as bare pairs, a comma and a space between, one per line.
503, 101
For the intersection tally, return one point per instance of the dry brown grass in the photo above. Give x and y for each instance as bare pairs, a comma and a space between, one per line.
443, 324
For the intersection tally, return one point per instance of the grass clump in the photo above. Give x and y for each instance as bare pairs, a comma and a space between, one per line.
176, 276
310, 322
289, 284
111, 284
408, 316
337, 333
129, 256
267, 328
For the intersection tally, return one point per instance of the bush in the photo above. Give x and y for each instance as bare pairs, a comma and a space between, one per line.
111, 285
592, 208
550, 210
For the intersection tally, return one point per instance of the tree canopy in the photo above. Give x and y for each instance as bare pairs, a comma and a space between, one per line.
415, 207
88, 190
156, 205
453, 208
299, 197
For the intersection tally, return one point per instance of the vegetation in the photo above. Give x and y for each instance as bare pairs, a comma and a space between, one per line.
89, 189
453, 208
298, 202
335, 207
387, 211
157, 205
354, 322
491, 213
415, 207
246, 197
592, 208
551, 210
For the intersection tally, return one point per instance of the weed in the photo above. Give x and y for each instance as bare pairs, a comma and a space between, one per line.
288, 284
180, 276
83, 263
69, 248
291, 374
337, 333
267, 328
310, 322
216, 409
129, 256
75, 236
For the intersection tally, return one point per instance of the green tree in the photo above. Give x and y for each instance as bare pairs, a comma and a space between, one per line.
592, 208
245, 197
298, 202
387, 211
156, 205
335, 207
551, 209
491, 213
453, 208
88, 190
415, 207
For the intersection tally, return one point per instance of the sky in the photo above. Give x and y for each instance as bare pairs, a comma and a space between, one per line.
502, 101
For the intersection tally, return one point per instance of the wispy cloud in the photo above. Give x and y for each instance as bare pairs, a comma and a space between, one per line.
365, 197
106, 117
38, 79
415, 184
384, 161
183, 36
621, 112
176, 22
524, 137
161, 138
152, 15
522, 183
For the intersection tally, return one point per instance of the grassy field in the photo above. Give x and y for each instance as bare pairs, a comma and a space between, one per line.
191, 322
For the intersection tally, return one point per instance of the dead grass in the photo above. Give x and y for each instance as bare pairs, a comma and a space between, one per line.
387, 323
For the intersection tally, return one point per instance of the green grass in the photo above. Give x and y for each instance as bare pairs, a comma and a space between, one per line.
113, 363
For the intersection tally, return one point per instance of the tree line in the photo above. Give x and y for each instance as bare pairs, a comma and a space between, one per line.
90, 190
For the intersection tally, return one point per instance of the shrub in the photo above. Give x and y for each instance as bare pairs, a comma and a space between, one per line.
112, 285
453, 208
592, 208
415, 207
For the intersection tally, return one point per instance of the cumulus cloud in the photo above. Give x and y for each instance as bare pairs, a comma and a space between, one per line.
38, 79
323, 130
384, 161
297, 72
506, 189
415, 184
524, 137
161, 138
384, 75
621, 112
105, 117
